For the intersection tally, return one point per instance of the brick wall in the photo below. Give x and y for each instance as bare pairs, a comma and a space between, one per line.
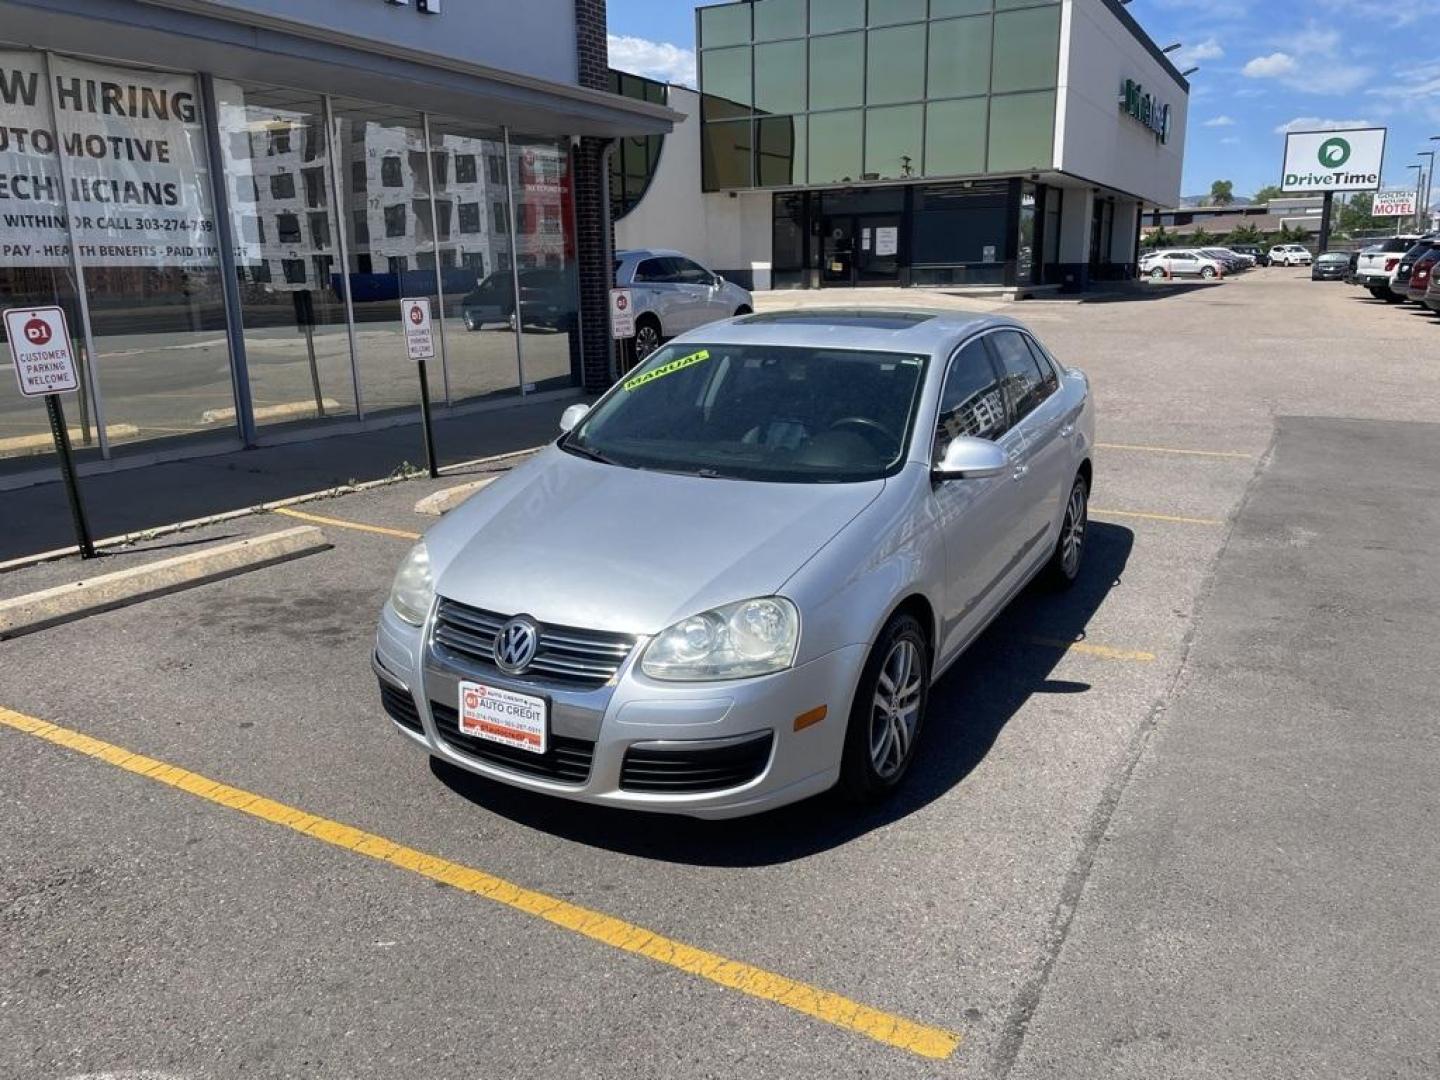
595, 273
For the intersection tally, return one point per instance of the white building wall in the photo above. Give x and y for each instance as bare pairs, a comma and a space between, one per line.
1095, 141
731, 235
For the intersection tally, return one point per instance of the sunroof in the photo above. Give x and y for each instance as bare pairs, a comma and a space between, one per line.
868, 320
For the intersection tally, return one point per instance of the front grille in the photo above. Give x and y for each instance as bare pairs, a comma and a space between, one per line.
566, 761
565, 655
679, 770
400, 707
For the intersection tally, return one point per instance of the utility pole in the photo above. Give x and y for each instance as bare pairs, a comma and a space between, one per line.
1429, 180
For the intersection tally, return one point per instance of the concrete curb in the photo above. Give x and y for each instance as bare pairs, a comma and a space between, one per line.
441, 502
46, 441
66, 603
260, 508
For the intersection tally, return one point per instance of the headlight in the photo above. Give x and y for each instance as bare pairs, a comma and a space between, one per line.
737, 641
414, 588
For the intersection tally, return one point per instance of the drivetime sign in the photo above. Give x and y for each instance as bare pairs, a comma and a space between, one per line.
1334, 160
40, 347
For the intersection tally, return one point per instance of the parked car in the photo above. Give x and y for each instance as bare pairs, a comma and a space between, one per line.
674, 294
1233, 262
1432, 295
546, 300
732, 582
1180, 262
1400, 286
1352, 269
1377, 265
1255, 252
1331, 266
1422, 273
1290, 255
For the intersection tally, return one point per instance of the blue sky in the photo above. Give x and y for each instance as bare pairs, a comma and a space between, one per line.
1265, 65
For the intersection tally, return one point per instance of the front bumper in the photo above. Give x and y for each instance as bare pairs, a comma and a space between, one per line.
646, 719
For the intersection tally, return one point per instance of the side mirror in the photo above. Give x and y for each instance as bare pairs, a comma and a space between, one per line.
717, 281
968, 458
573, 415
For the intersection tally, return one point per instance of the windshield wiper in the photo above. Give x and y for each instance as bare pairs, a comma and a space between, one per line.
588, 454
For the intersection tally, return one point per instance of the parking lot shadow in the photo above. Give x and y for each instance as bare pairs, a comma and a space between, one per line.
969, 707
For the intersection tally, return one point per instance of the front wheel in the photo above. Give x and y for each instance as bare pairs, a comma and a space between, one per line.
1158, 274
888, 712
647, 338
1207, 272
1063, 569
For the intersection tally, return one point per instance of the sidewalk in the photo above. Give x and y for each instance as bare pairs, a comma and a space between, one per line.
37, 518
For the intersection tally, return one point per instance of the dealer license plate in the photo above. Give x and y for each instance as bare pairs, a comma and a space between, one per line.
505, 717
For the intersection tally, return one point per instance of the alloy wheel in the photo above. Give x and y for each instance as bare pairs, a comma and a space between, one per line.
1072, 531
895, 712
647, 340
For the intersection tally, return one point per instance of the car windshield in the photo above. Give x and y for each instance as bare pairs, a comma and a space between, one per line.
1335, 257
759, 412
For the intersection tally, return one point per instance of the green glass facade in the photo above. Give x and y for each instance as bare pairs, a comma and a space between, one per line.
858, 91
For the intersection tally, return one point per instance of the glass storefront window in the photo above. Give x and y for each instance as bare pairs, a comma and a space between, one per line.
725, 24
836, 148
144, 226
959, 57
725, 153
480, 346
776, 19
390, 239
837, 71
958, 234
893, 138
941, 9
780, 77
828, 15
546, 256
1022, 131
1025, 253
1027, 49
297, 341
788, 247
725, 74
892, 72
955, 137
781, 150
896, 11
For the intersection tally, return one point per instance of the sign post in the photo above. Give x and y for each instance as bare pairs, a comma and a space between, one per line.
45, 367
419, 347
622, 324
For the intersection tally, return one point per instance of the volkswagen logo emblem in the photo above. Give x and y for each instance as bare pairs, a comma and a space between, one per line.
515, 645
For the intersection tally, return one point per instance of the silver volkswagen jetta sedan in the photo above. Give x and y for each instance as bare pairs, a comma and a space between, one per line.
731, 582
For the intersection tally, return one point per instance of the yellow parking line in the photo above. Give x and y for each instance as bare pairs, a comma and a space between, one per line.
920, 1039
1174, 450
340, 523
1095, 511
1105, 652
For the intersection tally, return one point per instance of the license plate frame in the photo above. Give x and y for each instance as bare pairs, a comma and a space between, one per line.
504, 717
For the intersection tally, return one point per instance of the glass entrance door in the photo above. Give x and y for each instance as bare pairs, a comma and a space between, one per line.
837, 250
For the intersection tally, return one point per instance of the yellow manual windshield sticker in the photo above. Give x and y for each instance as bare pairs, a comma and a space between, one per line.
668, 369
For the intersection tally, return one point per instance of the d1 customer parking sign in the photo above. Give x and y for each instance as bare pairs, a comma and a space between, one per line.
419, 339
40, 346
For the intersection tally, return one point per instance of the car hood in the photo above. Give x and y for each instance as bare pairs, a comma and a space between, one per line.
578, 543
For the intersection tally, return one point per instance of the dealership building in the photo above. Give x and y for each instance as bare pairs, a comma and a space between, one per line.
1010, 144
228, 198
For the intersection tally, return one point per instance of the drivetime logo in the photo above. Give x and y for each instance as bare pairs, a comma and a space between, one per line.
1334, 152
1331, 180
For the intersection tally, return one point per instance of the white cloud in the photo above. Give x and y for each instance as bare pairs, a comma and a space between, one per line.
1315, 123
1313, 41
1209, 49
1231, 141
654, 59
1219, 121
1270, 67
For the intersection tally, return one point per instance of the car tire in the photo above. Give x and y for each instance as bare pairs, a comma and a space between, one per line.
1066, 561
1207, 272
743, 310
886, 719
471, 322
1157, 274
647, 336
1391, 298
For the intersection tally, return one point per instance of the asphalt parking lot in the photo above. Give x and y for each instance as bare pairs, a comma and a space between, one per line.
1178, 822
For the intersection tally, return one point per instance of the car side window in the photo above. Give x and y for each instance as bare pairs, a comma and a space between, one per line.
1019, 373
971, 401
655, 271
691, 273
1049, 380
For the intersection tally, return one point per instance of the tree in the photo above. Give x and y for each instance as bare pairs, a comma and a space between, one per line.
1265, 194
1222, 193
1245, 234
1159, 238
1354, 216
1201, 238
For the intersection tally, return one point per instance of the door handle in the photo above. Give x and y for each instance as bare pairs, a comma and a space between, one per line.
1067, 431
1020, 472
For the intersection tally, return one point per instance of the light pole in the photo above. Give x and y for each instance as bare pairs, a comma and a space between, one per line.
1419, 187
1430, 181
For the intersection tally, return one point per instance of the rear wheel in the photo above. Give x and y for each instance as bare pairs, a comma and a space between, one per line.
1379, 292
888, 712
471, 322
742, 310
1158, 274
1207, 272
647, 337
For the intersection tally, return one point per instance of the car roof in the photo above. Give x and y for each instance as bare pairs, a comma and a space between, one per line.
649, 253
897, 330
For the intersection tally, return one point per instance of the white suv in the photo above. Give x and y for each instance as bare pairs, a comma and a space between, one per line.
674, 294
1290, 255
1180, 262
